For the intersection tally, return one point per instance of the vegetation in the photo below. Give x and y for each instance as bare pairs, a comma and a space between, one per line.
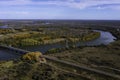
29, 42
34, 57
6, 31
115, 32
46, 36
33, 71
32, 66
96, 57
93, 56
91, 36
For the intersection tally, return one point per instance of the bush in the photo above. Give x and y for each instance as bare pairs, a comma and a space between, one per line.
32, 56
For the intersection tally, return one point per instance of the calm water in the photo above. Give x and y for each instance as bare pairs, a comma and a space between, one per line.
105, 38
8, 55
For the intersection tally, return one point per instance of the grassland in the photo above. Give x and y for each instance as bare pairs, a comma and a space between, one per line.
93, 56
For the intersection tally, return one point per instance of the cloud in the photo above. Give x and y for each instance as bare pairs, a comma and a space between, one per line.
80, 4
95, 4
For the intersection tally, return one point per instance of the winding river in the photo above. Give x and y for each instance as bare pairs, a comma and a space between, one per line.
105, 38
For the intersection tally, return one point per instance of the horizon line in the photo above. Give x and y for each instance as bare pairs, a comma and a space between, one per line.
61, 19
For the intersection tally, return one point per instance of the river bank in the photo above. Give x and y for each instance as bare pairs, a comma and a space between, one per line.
104, 39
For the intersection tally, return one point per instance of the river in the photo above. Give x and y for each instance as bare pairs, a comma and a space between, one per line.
105, 38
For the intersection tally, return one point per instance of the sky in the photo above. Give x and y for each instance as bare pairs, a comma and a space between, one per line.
60, 9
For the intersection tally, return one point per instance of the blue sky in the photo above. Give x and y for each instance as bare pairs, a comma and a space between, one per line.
60, 9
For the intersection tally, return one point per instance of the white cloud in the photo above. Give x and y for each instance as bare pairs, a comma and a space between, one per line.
81, 4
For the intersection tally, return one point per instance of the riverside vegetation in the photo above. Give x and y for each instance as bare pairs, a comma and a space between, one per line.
29, 67
43, 36
32, 67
